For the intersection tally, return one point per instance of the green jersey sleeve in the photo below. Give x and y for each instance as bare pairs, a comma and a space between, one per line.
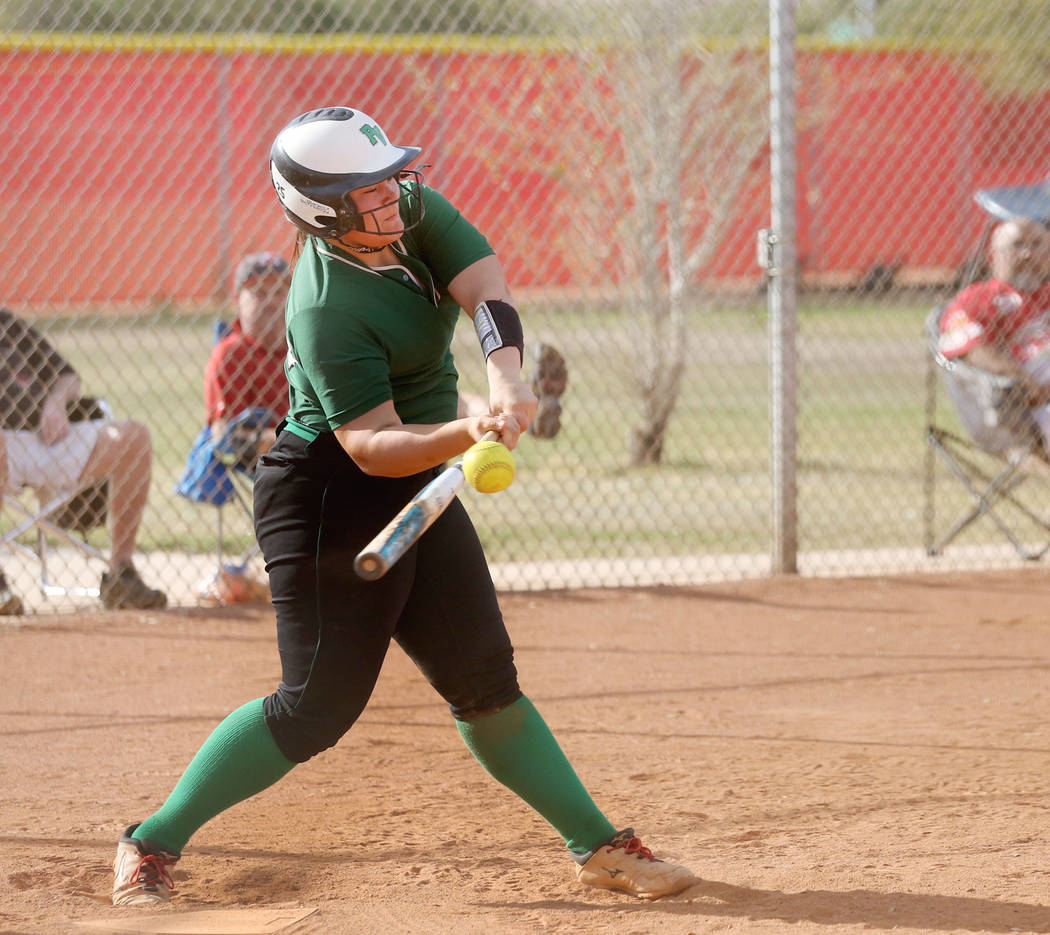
445, 240
343, 370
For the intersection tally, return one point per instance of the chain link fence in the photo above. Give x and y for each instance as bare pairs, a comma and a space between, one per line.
617, 156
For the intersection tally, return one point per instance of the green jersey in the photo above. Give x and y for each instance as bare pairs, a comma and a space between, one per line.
360, 335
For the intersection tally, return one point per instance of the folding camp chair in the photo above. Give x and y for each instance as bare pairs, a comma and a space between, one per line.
68, 515
219, 473
1002, 448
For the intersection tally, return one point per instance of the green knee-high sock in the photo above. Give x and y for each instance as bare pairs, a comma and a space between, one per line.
239, 759
517, 748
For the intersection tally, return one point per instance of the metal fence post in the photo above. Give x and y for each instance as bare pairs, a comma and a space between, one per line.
782, 295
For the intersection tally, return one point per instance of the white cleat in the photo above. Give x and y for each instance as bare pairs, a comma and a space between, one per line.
624, 863
141, 875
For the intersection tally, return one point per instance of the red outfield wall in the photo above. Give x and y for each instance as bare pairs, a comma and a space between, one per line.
134, 174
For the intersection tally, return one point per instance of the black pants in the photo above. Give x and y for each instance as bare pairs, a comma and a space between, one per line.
314, 510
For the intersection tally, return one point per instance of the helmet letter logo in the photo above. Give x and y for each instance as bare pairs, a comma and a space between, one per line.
374, 134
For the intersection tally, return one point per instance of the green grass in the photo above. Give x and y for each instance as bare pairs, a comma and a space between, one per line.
861, 424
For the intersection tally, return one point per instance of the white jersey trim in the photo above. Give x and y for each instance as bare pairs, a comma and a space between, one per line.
374, 270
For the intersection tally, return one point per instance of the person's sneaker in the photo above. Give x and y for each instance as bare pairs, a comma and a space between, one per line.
549, 380
141, 872
126, 589
10, 603
624, 863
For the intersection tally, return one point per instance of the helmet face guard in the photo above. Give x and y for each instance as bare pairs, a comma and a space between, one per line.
319, 158
410, 201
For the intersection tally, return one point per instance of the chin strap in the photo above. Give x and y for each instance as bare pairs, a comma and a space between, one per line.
356, 249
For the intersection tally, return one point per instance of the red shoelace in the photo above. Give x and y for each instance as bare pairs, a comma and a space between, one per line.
634, 846
156, 868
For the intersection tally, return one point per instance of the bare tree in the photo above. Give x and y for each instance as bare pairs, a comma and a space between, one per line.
664, 131
691, 120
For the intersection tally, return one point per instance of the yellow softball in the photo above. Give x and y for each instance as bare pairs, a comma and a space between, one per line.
488, 466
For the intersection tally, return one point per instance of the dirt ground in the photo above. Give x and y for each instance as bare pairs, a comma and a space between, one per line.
828, 755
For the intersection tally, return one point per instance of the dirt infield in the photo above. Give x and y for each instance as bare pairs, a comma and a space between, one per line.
840, 755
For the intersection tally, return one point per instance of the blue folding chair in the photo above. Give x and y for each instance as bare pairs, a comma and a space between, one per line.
219, 472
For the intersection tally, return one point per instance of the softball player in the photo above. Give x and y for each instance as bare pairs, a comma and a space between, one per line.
384, 266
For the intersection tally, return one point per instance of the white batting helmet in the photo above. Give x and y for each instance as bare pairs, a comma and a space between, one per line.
322, 155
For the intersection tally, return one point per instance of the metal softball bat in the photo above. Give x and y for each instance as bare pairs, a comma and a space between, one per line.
414, 519
404, 530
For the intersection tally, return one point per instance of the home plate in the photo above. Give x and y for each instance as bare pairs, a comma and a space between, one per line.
205, 922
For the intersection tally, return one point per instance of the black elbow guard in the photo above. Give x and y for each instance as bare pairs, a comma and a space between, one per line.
497, 325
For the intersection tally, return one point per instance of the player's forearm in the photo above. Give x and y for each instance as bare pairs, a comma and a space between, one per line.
508, 392
503, 366
398, 450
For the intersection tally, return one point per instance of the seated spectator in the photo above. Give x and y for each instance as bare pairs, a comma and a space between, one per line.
41, 449
1002, 325
246, 367
245, 396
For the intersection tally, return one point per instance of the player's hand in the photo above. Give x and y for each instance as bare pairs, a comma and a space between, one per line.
54, 422
515, 403
507, 392
504, 424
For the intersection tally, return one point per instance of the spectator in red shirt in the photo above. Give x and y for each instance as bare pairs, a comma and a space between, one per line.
246, 367
1002, 325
